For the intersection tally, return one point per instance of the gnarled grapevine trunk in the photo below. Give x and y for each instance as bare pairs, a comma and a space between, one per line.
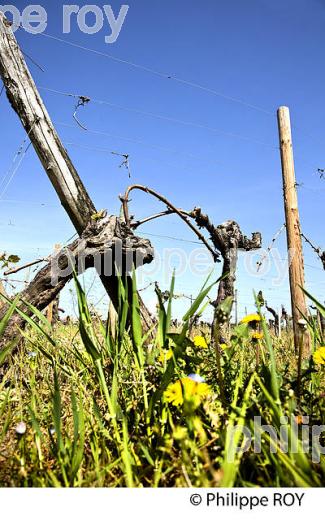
103, 244
228, 239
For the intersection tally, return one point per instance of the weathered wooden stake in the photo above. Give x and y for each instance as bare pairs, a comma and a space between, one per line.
27, 103
295, 254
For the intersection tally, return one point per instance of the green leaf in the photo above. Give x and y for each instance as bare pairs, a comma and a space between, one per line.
197, 302
86, 327
57, 410
170, 302
135, 315
319, 306
78, 436
13, 259
38, 314
162, 320
9, 313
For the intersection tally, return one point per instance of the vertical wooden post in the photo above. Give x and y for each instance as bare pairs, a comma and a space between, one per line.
295, 254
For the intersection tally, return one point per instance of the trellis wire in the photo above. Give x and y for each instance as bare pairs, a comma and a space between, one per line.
10, 174
160, 117
163, 75
265, 255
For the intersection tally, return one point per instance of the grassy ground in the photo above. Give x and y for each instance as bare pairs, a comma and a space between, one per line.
88, 405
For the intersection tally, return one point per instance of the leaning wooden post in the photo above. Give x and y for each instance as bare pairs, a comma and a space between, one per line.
295, 254
27, 103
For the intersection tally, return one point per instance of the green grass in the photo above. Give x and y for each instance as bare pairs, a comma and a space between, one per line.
92, 399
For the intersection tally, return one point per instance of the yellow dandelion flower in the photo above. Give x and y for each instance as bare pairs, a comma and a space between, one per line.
200, 389
185, 389
257, 335
224, 346
319, 356
165, 355
200, 342
251, 318
174, 394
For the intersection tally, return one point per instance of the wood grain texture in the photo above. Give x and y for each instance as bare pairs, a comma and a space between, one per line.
294, 243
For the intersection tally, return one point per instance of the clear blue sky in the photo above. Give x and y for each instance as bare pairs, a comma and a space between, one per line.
265, 53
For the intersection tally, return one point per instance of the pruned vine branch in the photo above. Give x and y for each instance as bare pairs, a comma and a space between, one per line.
22, 267
317, 250
227, 238
181, 213
138, 223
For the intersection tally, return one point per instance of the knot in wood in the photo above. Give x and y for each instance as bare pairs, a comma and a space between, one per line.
110, 233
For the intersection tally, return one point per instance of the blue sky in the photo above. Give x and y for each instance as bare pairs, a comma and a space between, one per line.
262, 53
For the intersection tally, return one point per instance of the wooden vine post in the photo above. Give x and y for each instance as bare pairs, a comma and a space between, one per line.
295, 253
27, 103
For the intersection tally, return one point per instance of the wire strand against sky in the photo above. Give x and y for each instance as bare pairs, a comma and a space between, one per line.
13, 169
164, 118
30, 202
109, 151
136, 141
17, 154
318, 250
155, 72
268, 250
177, 239
20, 154
33, 61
